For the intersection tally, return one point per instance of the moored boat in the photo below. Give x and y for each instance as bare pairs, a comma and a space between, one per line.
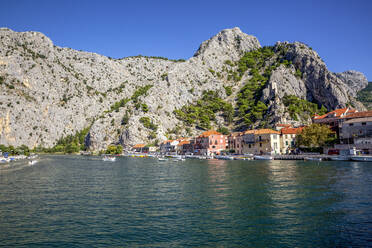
313, 159
109, 159
340, 158
162, 159
259, 157
364, 158
32, 162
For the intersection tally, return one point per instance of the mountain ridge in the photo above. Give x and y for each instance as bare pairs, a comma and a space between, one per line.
50, 92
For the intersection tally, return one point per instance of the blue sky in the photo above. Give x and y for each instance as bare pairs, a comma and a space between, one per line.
340, 31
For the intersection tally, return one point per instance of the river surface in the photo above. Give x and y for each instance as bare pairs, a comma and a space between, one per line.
75, 201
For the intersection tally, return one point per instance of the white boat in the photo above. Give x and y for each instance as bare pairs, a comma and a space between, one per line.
109, 159
257, 157
224, 157
162, 159
313, 159
362, 158
4, 160
32, 162
340, 158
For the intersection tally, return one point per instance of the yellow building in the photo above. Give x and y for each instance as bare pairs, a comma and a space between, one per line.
261, 141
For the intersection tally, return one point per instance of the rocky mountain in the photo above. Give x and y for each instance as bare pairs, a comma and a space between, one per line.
355, 80
50, 92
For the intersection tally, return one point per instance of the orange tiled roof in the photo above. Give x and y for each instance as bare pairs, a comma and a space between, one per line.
166, 141
139, 146
184, 142
291, 130
209, 133
358, 114
335, 113
261, 131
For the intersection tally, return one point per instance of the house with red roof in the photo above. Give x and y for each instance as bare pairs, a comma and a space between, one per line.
138, 147
288, 138
210, 143
186, 147
332, 119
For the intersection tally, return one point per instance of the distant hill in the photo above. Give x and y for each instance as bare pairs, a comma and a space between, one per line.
365, 96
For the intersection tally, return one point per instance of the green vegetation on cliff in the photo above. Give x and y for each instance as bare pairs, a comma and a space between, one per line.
204, 110
113, 149
71, 143
365, 96
250, 107
147, 123
139, 92
299, 108
11, 150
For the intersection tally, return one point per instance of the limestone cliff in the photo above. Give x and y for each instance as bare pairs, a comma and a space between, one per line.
49, 92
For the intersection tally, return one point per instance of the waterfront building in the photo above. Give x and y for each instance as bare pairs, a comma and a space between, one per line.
261, 141
356, 132
186, 147
332, 119
139, 147
288, 139
169, 146
210, 143
235, 142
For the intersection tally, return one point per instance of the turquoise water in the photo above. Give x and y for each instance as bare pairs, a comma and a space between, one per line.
70, 201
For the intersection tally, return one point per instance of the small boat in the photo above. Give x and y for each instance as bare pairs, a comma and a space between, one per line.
162, 159
313, 159
224, 157
109, 159
340, 158
32, 162
257, 157
362, 158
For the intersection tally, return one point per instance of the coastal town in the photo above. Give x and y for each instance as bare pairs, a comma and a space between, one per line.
351, 129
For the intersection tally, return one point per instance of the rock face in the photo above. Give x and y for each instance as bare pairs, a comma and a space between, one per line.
49, 92
354, 79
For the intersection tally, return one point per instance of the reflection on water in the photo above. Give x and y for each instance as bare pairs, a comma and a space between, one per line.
83, 201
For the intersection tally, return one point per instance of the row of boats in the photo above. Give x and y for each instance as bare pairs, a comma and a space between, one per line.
361, 158
32, 159
256, 157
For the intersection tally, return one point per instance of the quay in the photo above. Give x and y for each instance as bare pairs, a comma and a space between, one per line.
301, 157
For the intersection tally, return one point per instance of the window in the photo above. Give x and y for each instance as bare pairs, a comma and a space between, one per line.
364, 123
260, 144
275, 145
213, 146
351, 124
215, 142
286, 142
249, 145
259, 138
